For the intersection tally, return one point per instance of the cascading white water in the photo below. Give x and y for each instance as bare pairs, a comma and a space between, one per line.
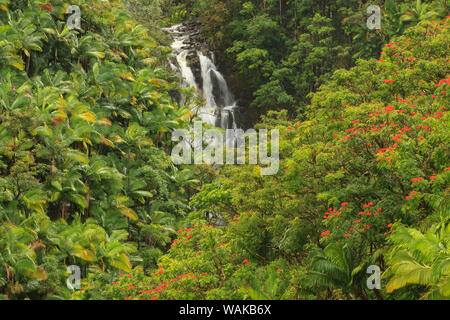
220, 106
208, 112
181, 52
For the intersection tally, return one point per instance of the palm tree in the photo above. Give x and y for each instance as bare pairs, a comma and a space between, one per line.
336, 267
419, 12
91, 245
421, 259
266, 288
18, 259
85, 48
24, 34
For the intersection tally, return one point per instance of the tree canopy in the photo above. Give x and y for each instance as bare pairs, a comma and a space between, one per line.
86, 177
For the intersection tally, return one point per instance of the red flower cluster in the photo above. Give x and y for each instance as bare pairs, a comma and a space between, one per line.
443, 82
331, 213
325, 233
413, 193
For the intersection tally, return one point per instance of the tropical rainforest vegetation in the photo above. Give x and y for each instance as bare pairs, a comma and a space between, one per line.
86, 177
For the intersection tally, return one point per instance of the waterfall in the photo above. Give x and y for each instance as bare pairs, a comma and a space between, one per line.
209, 112
220, 107
181, 52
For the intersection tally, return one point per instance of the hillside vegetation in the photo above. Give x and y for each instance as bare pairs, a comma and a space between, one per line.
86, 177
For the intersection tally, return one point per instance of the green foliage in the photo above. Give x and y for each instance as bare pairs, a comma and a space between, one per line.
84, 117
276, 52
86, 178
421, 259
371, 152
